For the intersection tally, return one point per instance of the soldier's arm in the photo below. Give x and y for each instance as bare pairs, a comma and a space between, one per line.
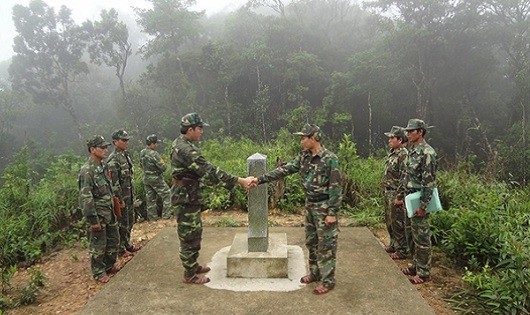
158, 162
281, 171
400, 193
86, 199
113, 167
334, 187
428, 179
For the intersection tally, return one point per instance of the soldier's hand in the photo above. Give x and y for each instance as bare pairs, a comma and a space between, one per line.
245, 182
398, 202
330, 219
122, 204
95, 227
420, 212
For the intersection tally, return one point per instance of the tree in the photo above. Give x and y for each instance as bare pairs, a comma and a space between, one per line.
110, 44
170, 24
48, 51
276, 5
510, 20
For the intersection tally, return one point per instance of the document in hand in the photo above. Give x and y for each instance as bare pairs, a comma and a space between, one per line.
412, 202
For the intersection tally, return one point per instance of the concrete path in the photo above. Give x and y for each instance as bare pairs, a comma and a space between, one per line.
368, 282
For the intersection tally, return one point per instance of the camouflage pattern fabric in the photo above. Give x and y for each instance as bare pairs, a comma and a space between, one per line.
121, 174
188, 167
95, 200
321, 184
421, 176
154, 184
321, 243
395, 215
320, 177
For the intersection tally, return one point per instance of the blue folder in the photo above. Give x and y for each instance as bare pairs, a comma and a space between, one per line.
412, 202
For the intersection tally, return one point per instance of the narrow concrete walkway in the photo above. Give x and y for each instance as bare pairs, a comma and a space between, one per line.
368, 282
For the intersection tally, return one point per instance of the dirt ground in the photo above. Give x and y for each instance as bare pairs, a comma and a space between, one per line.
69, 285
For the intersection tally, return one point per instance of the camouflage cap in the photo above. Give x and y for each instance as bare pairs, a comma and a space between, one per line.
152, 139
308, 130
192, 119
120, 134
97, 141
415, 123
396, 131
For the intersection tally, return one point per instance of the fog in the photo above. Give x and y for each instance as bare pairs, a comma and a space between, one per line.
252, 70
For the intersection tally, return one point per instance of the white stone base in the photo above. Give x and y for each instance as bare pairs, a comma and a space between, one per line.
270, 264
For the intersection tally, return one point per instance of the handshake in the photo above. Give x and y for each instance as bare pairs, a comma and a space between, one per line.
248, 182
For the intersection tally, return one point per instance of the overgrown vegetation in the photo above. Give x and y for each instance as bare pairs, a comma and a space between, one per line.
484, 230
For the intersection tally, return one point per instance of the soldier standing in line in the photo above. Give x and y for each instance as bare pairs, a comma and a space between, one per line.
188, 167
420, 176
154, 184
395, 212
95, 199
319, 169
121, 174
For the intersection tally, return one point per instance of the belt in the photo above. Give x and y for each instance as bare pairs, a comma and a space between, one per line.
318, 198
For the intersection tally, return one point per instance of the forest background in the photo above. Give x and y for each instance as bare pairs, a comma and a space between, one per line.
259, 73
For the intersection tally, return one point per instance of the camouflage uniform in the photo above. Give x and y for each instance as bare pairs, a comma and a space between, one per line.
188, 167
321, 185
95, 200
395, 216
121, 173
420, 176
154, 184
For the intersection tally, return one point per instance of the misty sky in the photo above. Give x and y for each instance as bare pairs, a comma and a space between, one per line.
90, 9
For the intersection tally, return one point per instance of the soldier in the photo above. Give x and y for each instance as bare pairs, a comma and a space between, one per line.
121, 174
319, 169
154, 184
395, 212
188, 167
95, 199
420, 176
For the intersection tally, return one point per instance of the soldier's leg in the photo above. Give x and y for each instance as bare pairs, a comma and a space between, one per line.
123, 227
421, 234
389, 199
311, 242
131, 220
327, 249
113, 243
162, 190
189, 228
96, 251
398, 230
150, 202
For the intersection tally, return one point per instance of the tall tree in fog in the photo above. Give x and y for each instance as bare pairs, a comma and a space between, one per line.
48, 51
170, 24
509, 20
110, 44
276, 5
419, 42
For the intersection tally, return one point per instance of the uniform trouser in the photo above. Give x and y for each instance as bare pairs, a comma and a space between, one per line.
157, 187
395, 220
321, 242
419, 236
126, 222
189, 229
103, 248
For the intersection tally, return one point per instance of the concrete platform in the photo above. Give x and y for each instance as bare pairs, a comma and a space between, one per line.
368, 282
270, 264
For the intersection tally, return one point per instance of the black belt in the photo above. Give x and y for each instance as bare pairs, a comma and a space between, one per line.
318, 198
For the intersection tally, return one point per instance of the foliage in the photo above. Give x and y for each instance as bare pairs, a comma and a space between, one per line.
226, 221
486, 230
47, 61
14, 297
